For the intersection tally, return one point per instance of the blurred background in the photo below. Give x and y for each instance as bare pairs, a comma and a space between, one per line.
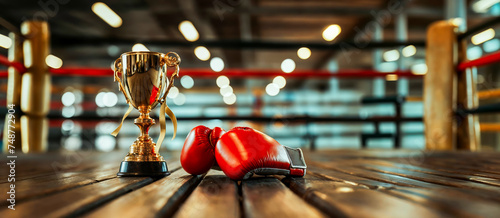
219, 39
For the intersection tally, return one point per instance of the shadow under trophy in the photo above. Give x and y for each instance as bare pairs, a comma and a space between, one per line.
143, 79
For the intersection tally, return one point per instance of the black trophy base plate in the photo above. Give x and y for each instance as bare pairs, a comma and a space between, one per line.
147, 168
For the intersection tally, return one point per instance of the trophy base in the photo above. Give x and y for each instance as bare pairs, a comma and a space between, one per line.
146, 168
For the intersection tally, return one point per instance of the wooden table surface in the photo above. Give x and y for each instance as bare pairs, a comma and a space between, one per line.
339, 183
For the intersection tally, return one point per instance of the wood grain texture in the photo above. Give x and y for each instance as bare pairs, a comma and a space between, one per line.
344, 200
160, 198
76, 200
216, 196
268, 197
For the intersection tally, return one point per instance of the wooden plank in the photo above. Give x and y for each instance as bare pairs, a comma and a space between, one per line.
43, 185
494, 191
347, 178
48, 184
216, 196
454, 202
76, 200
35, 165
343, 200
439, 172
160, 198
268, 197
395, 180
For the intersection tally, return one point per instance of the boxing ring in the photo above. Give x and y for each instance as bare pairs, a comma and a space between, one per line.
439, 181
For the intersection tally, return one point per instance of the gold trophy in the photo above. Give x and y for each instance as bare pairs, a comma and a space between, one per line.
142, 77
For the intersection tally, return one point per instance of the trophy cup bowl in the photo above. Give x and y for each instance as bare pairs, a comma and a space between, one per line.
142, 78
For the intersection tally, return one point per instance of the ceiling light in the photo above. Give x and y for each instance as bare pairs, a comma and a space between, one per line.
68, 99
331, 32
139, 47
230, 99
180, 99
217, 64
391, 55
288, 65
53, 61
483, 36
106, 14
187, 82
280, 81
222, 81
202, 53
226, 91
173, 92
188, 31
419, 69
272, 89
409, 51
304, 53
5, 41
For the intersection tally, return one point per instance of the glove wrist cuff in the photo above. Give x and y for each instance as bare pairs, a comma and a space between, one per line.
297, 163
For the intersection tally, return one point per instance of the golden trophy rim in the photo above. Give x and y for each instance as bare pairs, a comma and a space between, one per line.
141, 52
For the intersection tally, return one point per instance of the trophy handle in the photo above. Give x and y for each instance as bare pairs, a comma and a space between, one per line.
118, 69
171, 59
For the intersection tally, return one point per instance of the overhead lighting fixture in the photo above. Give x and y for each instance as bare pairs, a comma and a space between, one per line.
419, 69
409, 51
222, 81
288, 65
187, 82
331, 32
105, 13
226, 91
391, 77
202, 53
304, 53
217, 64
482, 6
139, 47
230, 99
5, 41
188, 31
174, 91
483, 36
391, 55
68, 98
280, 81
272, 89
180, 99
53, 61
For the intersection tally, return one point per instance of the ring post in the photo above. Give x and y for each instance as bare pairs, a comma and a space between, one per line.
440, 87
14, 93
35, 88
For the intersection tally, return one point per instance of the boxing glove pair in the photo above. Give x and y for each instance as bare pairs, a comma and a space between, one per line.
239, 153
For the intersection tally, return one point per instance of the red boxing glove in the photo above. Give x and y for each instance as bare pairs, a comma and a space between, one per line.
243, 151
197, 156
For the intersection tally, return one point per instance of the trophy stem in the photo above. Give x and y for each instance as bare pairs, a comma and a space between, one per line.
142, 160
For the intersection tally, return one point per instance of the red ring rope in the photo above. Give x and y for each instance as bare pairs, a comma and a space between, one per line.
485, 60
98, 72
235, 73
18, 66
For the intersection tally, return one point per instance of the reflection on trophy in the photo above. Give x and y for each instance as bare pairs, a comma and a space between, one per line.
142, 77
